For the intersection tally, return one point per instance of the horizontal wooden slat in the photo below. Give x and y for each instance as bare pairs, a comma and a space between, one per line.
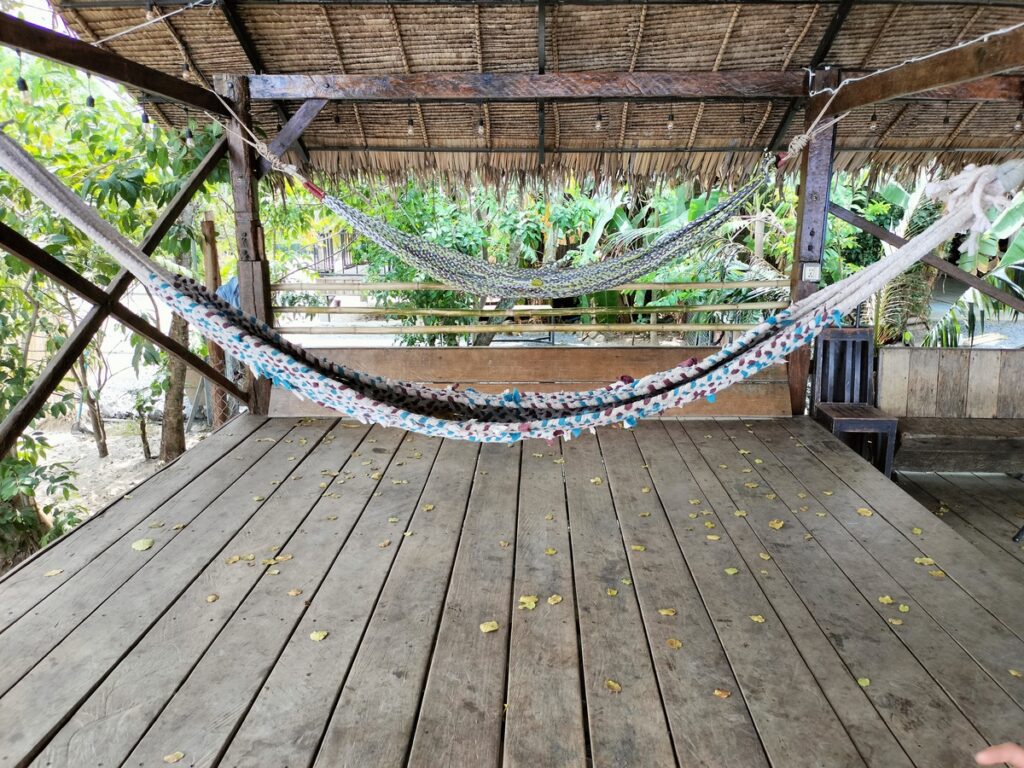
437, 330
340, 287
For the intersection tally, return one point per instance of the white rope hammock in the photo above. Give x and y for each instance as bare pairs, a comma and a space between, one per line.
513, 416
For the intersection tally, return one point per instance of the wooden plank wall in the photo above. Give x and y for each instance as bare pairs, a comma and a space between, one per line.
546, 369
951, 383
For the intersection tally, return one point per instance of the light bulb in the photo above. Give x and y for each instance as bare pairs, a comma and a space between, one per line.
410, 128
1018, 126
147, 126
480, 127
671, 124
873, 125
90, 102
190, 140
186, 71
22, 85
599, 122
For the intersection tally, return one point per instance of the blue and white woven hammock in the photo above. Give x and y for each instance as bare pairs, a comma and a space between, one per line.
470, 415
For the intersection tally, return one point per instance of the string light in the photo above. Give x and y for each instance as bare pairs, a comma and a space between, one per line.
146, 125
190, 139
945, 118
22, 85
1018, 126
671, 124
410, 126
337, 113
90, 101
873, 124
186, 70
599, 119
480, 127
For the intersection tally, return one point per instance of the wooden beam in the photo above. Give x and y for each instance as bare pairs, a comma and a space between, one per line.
659, 150
969, 279
971, 62
527, 86
22, 414
54, 46
291, 132
211, 274
253, 270
105, 4
811, 231
20, 247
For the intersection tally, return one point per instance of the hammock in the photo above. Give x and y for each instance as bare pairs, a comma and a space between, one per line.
514, 416
557, 280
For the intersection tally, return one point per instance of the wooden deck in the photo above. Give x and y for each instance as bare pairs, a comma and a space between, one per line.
707, 593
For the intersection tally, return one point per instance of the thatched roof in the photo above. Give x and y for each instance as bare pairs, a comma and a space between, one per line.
709, 139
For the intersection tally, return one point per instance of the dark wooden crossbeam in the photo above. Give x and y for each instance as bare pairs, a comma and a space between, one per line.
951, 270
105, 4
658, 150
971, 62
292, 132
20, 247
54, 46
22, 414
552, 86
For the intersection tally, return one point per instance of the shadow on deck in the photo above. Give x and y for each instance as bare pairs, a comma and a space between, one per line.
700, 593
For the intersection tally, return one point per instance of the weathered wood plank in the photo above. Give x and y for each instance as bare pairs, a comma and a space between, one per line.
922, 387
627, 726
1010, 397
287, 719
909, 692
706, 729
373, 720
465, 689
544, 724
893, 379
65, 675
971, 602
965, 494
24, 586
733, 599
983, 386
952, 382
34, 634
251, 602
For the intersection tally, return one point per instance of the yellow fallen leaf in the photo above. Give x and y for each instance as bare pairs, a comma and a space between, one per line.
885, 600
744, 452
274, 572
801, 495
776, 524
674, 644
903, 608
331, 517
529, 602
392, 519
771, 496
667, 611
896, 622
751, 485
407, 534
233, 559
550, 551
249, 557
294, 592
212, 598
489, 626
376, 476
385, 544
554, 600
740, 513
503, 544
764, 556
549, 517
558, 461
596, 480
827, 493
638, 548
612, 591
613, 686
924, 561
174, 757
916, 531
693, 515
318, 634
746, 471
804, 508
1015, 673
757, 618
644, 514
864, 512
731, 571
428, 507
627, 582
820, 514
713, 537
537, 455
722, 693
696, 502
156, 524
937, 574
723, 466
177, 526
645, 489
863, 682
709, 524
759, 461
142, 545
269, 561
54, 572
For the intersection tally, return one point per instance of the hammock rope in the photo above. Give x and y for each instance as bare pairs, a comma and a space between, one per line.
465, 414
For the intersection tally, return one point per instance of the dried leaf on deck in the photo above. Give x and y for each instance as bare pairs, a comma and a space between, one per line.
667, 611
731, 571
864, 512
776, 524
554, 599
489, 626
174, 757
757, 618
863, 682
294, 592
611, 591
674, 644
528, 602
722, 693
142, 545
212, 598
318, 634
54, 572
596, 480
613, 686
550, 551
924, 561
885, 600
638, 548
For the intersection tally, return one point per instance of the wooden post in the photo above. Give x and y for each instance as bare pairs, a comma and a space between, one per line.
211, 271
811, 230
253, 270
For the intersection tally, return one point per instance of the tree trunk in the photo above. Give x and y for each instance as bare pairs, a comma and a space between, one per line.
147, 452
172, 437
92, 407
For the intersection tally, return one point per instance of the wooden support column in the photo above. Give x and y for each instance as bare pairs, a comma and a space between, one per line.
811, 230
56, 370
253, 270
211, 272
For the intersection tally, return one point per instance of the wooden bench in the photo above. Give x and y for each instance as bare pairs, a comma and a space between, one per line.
547, 369
958, 409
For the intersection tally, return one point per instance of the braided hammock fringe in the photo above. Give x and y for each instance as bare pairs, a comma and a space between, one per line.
475, 416
479, 276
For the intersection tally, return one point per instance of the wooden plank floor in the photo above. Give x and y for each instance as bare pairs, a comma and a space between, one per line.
692, 593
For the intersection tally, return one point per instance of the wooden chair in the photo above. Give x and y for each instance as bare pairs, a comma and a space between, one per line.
843, 393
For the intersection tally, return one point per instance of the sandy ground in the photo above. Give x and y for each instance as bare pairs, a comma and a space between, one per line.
100, 481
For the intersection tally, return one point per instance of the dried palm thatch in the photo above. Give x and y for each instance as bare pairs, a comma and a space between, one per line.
706, 142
